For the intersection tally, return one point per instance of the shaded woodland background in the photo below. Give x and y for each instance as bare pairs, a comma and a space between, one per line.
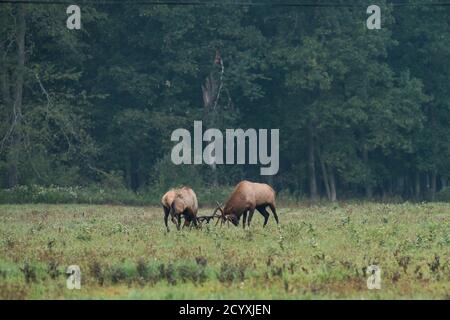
362, 113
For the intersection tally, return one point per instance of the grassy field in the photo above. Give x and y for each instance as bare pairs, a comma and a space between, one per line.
319, 252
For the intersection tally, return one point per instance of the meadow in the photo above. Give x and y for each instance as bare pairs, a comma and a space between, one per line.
317, 252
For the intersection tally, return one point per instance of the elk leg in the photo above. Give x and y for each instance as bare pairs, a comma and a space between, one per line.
187, 222
272, 207
178, 222
244, 220
187, 219
265, 214
190, 219
172, 216
166, 217
193, 219
250, 216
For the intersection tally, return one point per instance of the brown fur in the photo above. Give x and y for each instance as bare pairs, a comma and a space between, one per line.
185, 204
168, 197
166, 201
246, 197
180, 202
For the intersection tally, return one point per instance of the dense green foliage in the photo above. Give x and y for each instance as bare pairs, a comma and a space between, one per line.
361, 112
318, 252
121, 196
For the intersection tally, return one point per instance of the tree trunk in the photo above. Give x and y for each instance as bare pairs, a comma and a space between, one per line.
5, 81
210, 119
215, 177
384, 193
417, 186
332, 186
324, 174
400, 186
8, 102
433, 185
128, 173
443, 182
14, 156
311, 164
367, 185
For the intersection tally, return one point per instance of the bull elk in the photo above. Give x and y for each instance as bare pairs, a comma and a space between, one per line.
246, 197
180, 202
185, 204
166, 202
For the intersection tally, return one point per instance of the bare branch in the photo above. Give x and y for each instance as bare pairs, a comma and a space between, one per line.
43, 91
221, 84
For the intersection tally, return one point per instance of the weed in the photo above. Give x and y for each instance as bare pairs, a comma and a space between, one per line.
29, 272
435, 264
229, 273
96, 272
141, 268
52, 270
117, 274
201, 261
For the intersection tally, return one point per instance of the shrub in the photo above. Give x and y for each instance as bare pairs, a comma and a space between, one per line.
117, 274
443, 195
169, 273
229, 273
29, 272
53, 269
96, 272
142, 269
88, 195
98, 195
192, 272
153, 273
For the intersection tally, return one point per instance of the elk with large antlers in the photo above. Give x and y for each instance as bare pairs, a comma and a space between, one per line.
246, 197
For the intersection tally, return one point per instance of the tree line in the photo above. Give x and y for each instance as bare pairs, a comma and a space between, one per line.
361, 113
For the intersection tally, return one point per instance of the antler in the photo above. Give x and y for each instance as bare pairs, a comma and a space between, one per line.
221, 216
219, 207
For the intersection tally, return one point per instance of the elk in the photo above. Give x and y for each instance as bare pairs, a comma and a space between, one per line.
168, 199
166, 202
184, 204
246, 197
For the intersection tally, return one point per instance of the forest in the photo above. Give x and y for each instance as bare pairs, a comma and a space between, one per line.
361, 113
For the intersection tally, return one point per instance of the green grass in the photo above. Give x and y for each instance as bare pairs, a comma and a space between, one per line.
319, 252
